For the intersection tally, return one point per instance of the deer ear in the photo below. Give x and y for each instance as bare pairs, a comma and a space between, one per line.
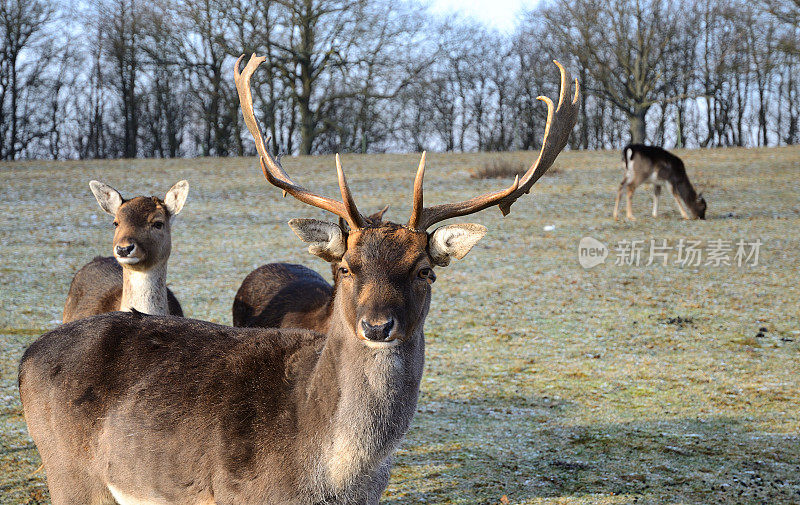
108, 197
453, 241
325, 239
378, 216
176, 197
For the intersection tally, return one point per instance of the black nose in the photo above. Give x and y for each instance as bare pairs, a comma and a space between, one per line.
377, 332
122, 252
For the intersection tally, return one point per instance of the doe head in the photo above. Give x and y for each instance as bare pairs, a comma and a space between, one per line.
143, 225
700, 206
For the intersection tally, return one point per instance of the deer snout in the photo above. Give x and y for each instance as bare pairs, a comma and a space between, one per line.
127, 254
377, 332
124, 251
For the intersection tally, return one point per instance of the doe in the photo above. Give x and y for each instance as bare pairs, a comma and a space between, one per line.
654, 165
136, 276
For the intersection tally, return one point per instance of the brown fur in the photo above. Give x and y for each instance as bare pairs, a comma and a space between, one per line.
102, 285
135, 219
236, 415
97, 288
650, 164
285, 295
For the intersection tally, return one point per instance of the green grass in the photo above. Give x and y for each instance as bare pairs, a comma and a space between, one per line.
544, 382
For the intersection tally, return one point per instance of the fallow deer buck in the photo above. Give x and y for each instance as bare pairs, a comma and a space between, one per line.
135, 278
286, 295
650, 164
130, 408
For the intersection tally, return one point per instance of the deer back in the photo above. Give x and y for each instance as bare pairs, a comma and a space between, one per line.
218, 403
97, 288
283, 295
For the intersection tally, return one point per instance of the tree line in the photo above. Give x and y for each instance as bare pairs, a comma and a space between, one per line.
153, 78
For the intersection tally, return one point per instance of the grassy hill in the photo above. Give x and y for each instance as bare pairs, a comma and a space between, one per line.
544, 381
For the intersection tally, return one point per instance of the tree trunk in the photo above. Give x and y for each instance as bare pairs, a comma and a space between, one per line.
584, 122
306, 126
638, 127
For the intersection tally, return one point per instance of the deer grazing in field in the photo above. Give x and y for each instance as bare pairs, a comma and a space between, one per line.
286, 295
135, 278
129, 408
650, 164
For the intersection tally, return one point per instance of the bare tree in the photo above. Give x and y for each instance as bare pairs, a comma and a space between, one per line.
625, 46
22, 29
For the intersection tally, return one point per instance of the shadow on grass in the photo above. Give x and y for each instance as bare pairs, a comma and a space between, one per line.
496, 451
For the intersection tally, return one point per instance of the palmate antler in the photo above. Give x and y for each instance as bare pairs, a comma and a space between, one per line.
273, 171
560, 121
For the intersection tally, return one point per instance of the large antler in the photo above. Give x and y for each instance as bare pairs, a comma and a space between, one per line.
560, 121
273, 171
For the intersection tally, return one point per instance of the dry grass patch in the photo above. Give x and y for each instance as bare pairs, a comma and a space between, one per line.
505, 169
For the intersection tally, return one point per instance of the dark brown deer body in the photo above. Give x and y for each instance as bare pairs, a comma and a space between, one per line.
285, 295
158, 409
135, 277
650, 164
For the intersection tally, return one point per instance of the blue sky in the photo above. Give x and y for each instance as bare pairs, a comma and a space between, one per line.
500, 14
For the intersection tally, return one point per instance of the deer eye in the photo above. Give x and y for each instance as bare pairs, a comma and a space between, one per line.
116, 224
427, 274
158, 225
343, 271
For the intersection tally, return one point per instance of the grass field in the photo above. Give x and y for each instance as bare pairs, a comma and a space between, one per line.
545, 383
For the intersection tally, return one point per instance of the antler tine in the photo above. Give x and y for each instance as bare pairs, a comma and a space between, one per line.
273, 171
246, 101
556, 134
354, 218
560, 121
416, 211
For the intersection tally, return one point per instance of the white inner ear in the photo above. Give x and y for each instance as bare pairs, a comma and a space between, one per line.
108, 197
176, 197
453, 241
325, 239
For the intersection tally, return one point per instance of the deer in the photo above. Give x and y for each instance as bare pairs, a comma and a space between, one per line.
287, 295
657, 166
135, 277
130, 408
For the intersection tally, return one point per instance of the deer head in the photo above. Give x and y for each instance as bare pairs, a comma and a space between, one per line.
142, 235
386, 269
700, 206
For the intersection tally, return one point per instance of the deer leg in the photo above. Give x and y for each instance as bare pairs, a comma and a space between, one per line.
656, 194
678, 202
616, 202
628, 195
378, 482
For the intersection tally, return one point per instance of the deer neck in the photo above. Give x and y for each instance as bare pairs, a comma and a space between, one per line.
372, 398
145, 291
687, 193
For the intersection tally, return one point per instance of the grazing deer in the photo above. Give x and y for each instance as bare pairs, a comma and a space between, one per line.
285, 295
130, 408
135, 278
650, 164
